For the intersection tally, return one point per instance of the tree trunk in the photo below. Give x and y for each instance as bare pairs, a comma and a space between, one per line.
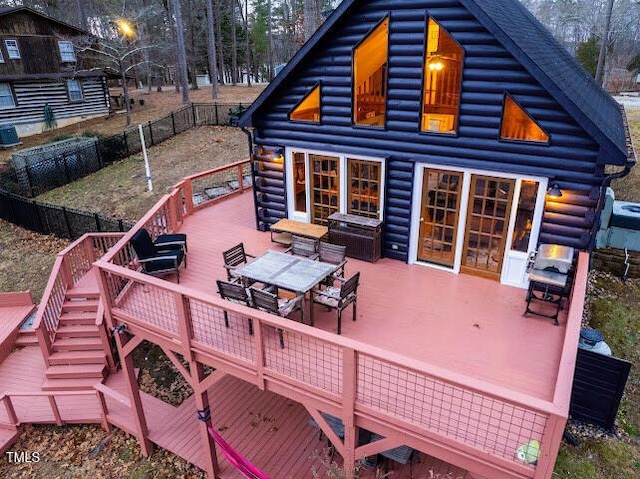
211, 50
309, 19
82, 15
272, 66
234, 45
176, 65
125, 91
192, 70
247, 48
218, 17
604, 45
182, 54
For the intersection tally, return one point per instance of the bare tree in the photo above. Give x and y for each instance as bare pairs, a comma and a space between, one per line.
604, 44
211, 48
272, 66
182, 53
309, 18
234, 44
246, 45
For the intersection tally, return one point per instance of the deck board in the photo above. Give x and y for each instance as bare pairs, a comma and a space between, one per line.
462, 323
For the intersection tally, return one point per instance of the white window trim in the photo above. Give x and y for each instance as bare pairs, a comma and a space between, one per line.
462, 219
71, 100
15, 103
290, 187
1, 56
6, 44
72, 52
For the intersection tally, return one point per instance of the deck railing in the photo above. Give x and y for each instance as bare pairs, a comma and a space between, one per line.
70, 266
465, 415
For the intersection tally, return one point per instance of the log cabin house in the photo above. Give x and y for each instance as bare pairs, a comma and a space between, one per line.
39, 66
413, 112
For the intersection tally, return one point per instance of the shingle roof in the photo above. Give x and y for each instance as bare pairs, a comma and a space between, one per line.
10, 10
534, 46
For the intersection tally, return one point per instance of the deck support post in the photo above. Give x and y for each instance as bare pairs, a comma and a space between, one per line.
134, 395
348, 418
202, 404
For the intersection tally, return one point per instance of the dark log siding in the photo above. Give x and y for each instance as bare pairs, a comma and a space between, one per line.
32, 96
489, 70
269, 188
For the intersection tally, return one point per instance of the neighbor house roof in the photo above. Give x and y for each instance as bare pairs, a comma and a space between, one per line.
538, 51
10, 10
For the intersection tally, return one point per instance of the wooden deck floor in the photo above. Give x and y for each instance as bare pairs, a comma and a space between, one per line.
459, 322
271, 431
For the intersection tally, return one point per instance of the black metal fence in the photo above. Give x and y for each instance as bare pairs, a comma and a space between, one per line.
63, 222
37, 178
598, 386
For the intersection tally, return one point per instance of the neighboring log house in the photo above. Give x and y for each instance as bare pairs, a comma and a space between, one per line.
39, 66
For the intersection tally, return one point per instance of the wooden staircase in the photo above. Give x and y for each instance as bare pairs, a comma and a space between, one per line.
78, 359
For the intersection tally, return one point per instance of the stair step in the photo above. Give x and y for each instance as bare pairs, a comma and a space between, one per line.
95, 356
25, 340
69, 384
76, 344
76, 371
77, 317
78, 305
83, 294
76, 331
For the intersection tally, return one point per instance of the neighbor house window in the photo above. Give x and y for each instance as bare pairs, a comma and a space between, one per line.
442, 81
67, 54
75, 90
309, 108
518, 125
12, 49
1, 57
524, 216
6, 96
370, 77
364, 187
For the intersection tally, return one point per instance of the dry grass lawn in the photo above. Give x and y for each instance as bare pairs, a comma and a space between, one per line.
120, 190
628, 188
156, 105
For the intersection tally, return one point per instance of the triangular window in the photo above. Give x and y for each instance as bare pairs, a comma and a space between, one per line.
518, 125
309, 108
370, 77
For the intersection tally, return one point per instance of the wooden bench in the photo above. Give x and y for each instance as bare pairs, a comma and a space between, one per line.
282, 231
15, 308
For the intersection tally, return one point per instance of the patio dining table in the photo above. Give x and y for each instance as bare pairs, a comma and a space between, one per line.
291, 273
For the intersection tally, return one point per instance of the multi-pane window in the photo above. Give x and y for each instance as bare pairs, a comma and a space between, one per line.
518, 125
6, 96
442, 81
524, 216
363, 187
74, 87
370, 77
309, 108
12, 49
325, 178
67, 53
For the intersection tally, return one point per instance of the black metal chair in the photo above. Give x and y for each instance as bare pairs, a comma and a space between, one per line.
339, 298
333, 254
157, 260
268, 300
305, 247
236, 293
234, 258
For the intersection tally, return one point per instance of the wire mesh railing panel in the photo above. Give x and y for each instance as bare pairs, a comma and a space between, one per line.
144, 302
476, 419
220, 183
160, 222
304, 358
224, 331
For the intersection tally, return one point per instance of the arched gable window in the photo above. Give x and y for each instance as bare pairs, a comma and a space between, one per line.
370, 59
442, 81
309, 108
518, 125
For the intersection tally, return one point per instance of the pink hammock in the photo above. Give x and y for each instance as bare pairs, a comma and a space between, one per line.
247, 469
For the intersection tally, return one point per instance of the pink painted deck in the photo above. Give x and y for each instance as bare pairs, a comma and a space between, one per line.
458, 322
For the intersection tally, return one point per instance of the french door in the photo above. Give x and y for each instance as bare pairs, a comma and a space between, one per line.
488, 214
440, 211
325, 184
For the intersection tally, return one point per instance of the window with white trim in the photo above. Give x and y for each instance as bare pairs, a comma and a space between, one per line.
67, 53
74, 87
1, 57
6, 96
12, 49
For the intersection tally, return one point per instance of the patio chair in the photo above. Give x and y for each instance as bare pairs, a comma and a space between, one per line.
339, 298
157, 260
168, 242
235, 293
333, 254
234, 258
266, 300
305, 247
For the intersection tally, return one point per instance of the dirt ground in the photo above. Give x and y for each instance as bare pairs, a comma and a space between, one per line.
156, 105
120, 190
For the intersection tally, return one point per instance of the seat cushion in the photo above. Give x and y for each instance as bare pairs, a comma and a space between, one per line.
171, 238
326, 300
287, 306
165, 263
